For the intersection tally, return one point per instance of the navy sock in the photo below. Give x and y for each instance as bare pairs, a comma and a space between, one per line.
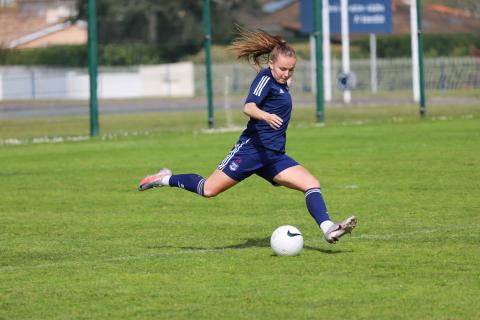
191, 182
316, 205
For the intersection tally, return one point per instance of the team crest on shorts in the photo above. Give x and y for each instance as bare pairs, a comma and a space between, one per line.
233, 166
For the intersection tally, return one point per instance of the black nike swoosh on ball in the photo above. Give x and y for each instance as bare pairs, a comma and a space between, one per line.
293, 234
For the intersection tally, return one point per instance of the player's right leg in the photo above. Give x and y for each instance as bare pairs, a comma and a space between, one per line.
210, 187
155, 180
217, 183
227, 174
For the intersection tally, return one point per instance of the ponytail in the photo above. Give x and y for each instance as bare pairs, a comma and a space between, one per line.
259, 46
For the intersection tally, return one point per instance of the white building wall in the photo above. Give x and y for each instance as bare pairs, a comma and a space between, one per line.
118, 85
169, 80
78, 85
31, 83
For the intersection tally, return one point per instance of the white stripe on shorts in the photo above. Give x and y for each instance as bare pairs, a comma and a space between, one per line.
231, 154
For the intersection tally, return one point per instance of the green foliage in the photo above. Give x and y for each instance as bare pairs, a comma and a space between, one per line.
435, 45
51, 56
127, 55
444, 45
171, 24
77, 56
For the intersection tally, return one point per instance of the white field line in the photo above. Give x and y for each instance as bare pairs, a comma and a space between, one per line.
42, 140
109, 260
60, 139
348, 186
222, 130
449, 234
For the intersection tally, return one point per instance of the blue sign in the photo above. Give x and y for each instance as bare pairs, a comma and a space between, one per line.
364, 16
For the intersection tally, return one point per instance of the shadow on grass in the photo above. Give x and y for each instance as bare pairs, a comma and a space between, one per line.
249, 243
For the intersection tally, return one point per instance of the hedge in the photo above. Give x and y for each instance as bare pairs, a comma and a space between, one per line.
388, 46
435, 45
77, 56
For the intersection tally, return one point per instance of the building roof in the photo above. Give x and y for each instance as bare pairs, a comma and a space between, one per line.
39, 23
14, 26
19, 30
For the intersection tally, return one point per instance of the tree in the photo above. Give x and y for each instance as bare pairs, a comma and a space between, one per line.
173, 25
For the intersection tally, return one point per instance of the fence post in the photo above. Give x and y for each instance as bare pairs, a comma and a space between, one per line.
208, 60
92, 66
32, 84
423, 109
317, 11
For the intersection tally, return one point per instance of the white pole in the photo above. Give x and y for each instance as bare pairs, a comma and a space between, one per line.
313, 63
373, 62
1, 85
327, 56
347, 96
415, 61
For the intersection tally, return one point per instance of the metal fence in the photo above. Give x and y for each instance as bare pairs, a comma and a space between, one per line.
37, 83
43, 83
392, 75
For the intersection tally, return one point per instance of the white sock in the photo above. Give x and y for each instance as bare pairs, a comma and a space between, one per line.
166, 180
325, 225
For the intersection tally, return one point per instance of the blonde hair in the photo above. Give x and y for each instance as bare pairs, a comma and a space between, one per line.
259, 46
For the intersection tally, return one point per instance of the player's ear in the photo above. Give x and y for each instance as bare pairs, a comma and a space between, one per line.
270, 63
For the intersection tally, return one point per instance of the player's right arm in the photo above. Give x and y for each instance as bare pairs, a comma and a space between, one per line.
252, 110
257, 94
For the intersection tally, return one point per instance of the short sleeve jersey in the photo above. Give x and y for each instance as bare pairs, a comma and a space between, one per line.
272, 97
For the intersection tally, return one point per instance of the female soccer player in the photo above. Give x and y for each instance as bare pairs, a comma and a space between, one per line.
261, 147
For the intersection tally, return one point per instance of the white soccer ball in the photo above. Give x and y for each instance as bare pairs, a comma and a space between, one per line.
286, 241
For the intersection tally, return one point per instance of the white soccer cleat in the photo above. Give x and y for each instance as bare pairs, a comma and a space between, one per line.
338, 230
154, 181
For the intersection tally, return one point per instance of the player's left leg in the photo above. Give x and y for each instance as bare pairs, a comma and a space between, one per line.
299, 178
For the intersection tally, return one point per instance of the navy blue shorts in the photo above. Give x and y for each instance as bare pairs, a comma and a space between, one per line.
246, 159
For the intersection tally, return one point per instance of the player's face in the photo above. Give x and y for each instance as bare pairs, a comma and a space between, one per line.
282, 68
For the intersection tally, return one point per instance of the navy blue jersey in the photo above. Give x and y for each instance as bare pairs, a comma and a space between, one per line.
271, 97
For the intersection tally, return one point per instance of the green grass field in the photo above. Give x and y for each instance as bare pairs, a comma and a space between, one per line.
77, 241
